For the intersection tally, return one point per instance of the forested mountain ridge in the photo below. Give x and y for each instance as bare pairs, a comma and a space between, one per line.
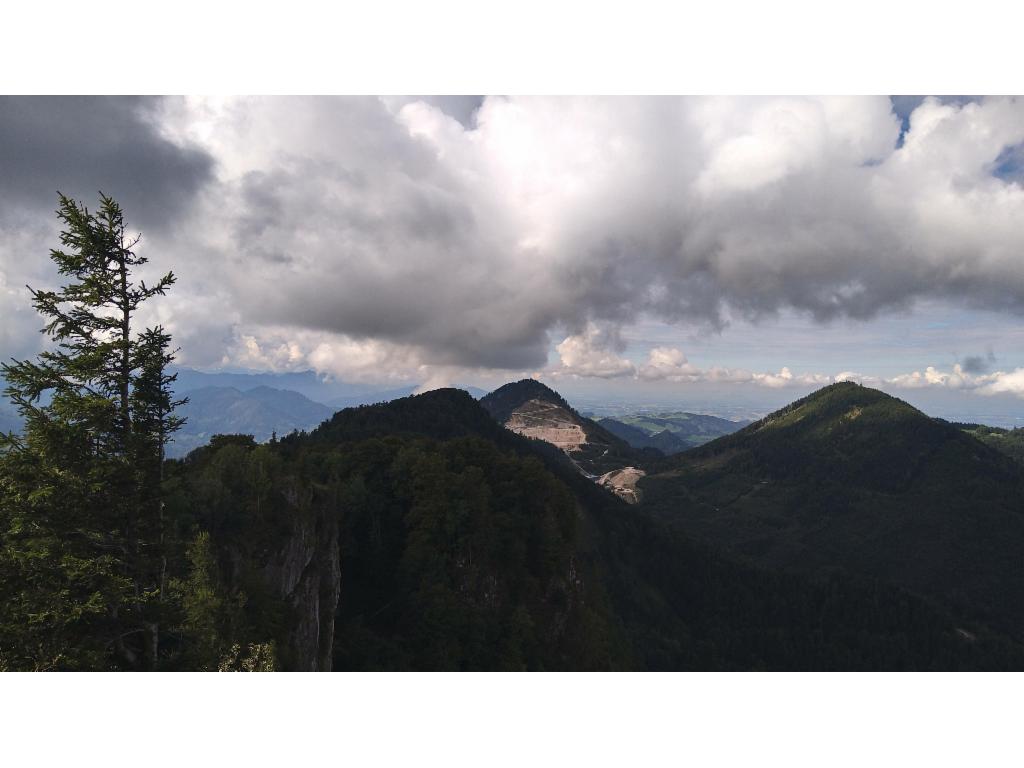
463, 547
852, 480
455, 542
1008, 441
420, 534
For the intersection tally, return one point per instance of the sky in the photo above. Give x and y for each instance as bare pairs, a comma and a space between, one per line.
654, 248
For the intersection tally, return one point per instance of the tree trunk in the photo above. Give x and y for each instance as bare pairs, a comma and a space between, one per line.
130, 497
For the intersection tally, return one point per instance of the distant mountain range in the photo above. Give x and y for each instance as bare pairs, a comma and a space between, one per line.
315, 386
670, 432
260, 412
260, 404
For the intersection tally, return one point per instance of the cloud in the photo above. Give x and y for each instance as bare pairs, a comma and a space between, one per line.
979, 363
470, 235
998, 382
462, 108
592, 354
670, 364
81, 144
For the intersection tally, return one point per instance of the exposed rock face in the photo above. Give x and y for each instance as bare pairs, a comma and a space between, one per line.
559, 426
548, 422
305, 573
533, 410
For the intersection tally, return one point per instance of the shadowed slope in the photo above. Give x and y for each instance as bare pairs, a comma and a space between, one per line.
851, 479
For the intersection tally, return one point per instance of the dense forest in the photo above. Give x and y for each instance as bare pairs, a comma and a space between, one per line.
461, 546
853, 480
1008, 441
418, 534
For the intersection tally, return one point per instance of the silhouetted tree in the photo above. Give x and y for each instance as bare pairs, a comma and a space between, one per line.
80, 509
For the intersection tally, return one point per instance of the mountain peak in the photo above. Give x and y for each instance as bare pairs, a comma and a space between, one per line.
844, 400
850, 478
507, 398
532, 409
441, 414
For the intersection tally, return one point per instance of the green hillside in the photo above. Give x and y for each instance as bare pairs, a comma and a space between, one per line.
1008, 441
851, 480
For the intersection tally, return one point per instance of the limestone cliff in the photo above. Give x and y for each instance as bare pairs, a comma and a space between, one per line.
296, 572
305, 574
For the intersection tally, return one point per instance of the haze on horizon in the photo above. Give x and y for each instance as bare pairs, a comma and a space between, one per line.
658, 249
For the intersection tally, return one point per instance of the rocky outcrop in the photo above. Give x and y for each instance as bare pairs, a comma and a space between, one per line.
306, 575
533, 410
548, 422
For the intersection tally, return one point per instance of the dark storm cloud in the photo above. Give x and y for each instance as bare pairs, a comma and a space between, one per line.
402, 232
976, 364
390, 221
80, 145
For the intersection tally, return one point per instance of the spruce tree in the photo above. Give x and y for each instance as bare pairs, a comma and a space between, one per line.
82, 566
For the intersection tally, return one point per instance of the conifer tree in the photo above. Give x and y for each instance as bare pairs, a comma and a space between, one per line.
82, 564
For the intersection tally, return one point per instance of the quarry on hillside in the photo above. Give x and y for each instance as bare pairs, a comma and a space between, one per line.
548, 422
554, 424
622, 482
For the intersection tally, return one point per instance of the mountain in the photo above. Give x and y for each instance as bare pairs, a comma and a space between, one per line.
315, 386
437, 539
852, 480
260, 412
441, 414
536, 411
318, 387
670, 432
